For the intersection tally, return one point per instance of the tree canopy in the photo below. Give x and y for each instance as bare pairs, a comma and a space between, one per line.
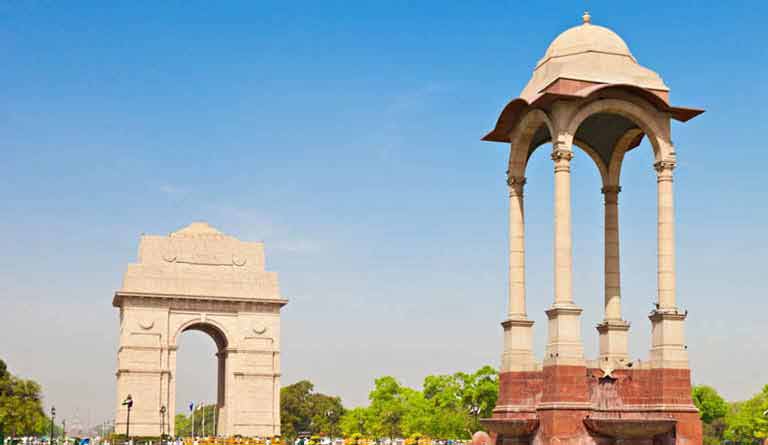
302, 410
448, 406
21, 406
748, 420
711, 406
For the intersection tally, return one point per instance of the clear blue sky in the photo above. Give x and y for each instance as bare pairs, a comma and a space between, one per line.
346, 135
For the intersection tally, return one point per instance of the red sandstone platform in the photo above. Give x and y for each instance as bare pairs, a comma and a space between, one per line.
575, 405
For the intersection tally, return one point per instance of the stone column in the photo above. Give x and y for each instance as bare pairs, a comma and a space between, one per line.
668, 349
171, 406
516, 247
518, 335
613, 330
612, 264
564, 345
563, 231
666, 235
221, 391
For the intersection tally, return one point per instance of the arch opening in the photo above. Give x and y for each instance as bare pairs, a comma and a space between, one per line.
543, 136
603, 131
194, 374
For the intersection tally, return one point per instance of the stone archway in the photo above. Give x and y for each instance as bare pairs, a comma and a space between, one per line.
200, 279
219, 337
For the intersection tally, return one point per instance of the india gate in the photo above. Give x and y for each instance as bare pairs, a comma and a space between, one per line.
589, 91
199, 279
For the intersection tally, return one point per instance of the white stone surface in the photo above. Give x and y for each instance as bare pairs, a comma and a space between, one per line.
591, 53
200, 279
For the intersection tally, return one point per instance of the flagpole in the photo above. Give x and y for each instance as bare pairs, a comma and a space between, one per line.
192, 408
203, 407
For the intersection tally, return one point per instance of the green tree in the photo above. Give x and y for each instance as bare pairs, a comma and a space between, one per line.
419, 414
304, 410
712, 410
449, 419
711, 406
387, 407
21, 408
479, 392
326, 412
357, 422
746, 421
448, 407
182, 425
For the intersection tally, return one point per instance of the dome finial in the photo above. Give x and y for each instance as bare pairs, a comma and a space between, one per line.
586, 17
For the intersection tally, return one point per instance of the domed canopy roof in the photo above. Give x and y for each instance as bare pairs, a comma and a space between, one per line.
585, 38
593, 54
582, 62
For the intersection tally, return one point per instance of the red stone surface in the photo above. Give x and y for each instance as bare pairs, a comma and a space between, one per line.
554, 394
563, 427
520, 388
565, 384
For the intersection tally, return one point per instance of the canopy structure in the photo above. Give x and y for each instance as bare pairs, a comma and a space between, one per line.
589, 92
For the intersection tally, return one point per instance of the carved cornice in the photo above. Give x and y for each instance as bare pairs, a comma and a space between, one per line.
612, 325
506, 324
555, 311
668, 314
198, 302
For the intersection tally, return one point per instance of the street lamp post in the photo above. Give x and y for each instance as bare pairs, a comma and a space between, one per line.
128, 402
162, 423
53, 417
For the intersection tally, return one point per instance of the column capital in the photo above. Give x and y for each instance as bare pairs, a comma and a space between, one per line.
664, 169
562, 158
559, 154
516, 184
611, 194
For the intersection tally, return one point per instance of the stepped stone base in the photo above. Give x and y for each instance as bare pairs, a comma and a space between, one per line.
576, 405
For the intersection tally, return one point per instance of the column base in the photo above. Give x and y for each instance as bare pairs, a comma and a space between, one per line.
614, 352
668, 348
564, 346
518, 345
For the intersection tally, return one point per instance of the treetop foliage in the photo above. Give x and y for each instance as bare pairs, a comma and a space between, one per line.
711, 406
302, 410
21, 407
448, 406
747, 420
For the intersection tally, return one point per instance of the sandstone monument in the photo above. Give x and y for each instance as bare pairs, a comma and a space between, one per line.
589, 91
199, 279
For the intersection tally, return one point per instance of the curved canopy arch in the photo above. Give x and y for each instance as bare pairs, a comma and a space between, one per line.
536, 129
642, 117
